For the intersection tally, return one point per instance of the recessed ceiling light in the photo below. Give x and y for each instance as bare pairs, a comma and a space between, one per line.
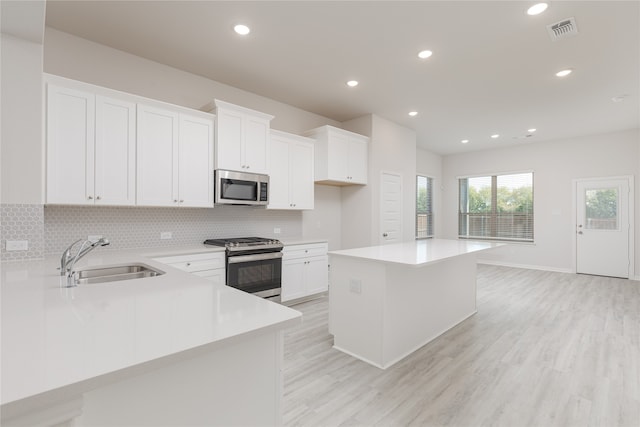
424, 54
352, 83
564, 73
531, 130
413, 113
537, 8
464, 141
495, 136
241, 29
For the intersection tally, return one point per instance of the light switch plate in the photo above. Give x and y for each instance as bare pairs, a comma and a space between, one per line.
17, 245
276, 230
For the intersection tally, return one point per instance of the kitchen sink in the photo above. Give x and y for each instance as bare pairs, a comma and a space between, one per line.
113, 274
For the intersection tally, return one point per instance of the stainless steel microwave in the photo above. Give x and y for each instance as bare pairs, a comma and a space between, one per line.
241, 188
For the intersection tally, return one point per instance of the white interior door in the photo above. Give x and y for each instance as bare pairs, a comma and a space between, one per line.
390, 208
603, 227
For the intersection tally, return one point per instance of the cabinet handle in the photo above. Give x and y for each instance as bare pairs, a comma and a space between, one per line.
89, 198
98, 198
175, 201
181, 201
188, 264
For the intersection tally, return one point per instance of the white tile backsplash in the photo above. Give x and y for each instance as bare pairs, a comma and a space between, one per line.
22, 222
135, 227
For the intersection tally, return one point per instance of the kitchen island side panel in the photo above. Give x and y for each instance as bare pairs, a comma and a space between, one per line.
422, 303
356, 307
381, 312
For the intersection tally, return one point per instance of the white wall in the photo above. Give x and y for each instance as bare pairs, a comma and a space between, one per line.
392, 148
325, 220
22, 148
76, 58
555, 165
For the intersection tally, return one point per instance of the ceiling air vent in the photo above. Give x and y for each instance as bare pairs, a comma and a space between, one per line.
563, 29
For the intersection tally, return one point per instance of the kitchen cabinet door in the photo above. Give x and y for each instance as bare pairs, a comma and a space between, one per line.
340, 156
255, 148
195, 164
301, 175
304, 271
293, 283
229, 136
317, 275
357, 159
157, 157
242, 138
338, 149
279, 181
115, 152
70, 146
290, 171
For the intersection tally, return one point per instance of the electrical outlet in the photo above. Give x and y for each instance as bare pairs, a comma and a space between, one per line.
94, 237
355, 286
17, 245
276, 230
166, 235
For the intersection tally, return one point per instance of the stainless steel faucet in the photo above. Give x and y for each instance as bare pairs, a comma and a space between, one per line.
68, 261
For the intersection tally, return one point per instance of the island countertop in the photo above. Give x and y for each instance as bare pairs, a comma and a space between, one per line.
418, 252
55, 338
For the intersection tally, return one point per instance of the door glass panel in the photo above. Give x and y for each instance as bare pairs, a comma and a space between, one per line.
601, 209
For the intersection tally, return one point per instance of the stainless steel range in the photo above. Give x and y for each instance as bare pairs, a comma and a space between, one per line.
254, 264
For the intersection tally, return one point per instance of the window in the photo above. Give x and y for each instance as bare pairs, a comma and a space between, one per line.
424, 207
496, 207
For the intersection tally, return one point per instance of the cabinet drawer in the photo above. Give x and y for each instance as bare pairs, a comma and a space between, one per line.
195, 262
304, 251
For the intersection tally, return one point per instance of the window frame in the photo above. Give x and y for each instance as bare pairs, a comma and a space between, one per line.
429, 214
493, 213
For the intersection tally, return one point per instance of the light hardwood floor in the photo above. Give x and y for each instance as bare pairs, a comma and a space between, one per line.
544, 349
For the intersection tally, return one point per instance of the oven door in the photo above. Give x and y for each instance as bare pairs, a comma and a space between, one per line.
259, 274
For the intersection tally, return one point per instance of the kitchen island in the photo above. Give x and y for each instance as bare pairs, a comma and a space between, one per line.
174, 349
387, 301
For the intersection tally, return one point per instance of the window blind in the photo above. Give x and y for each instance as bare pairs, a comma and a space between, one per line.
424, 207
496, 207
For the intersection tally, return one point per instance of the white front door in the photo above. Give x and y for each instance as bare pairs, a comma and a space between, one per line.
390, 208
603, 227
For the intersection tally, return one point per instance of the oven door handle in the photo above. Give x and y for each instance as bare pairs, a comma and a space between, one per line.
254, 257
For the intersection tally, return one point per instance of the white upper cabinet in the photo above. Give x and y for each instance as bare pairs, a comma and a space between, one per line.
90, 148
157, 157
242, 138
290, 171
341, 157
195, 161
175, 158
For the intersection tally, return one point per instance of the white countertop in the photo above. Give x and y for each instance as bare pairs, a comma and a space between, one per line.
418, 252
55, 337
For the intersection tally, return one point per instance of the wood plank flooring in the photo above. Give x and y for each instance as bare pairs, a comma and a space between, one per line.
544, 349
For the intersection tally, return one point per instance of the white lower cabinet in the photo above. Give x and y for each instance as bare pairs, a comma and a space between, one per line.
210, 266
305, 270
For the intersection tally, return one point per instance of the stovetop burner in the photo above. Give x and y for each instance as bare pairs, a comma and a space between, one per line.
244, 242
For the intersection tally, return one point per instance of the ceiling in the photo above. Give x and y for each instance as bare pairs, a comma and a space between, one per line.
492, 70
